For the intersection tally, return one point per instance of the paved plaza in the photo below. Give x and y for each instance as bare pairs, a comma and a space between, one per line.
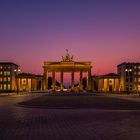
23, 123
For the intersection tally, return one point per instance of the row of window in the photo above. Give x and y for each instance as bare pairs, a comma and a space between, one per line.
131, 79
132, 87
5, 73
136, 67
5, 67
5, 79
130, 73
137, 73
133, 67
128, 87
136, 79
5, 87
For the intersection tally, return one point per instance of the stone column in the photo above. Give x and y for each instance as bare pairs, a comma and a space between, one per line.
53, 81
45, 80
61, 81
107, 84
20, 88
42, 84
103, 85
80, 82
114, 85
89, 80
72, 80
27, 85
34, 84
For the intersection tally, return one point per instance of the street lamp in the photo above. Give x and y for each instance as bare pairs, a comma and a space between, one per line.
17, 70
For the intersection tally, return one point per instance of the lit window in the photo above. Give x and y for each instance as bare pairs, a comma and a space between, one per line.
135, 79
135, 67
0, 79
5, 79
0, 72
135, 73
8, 86
139, 67
139, 73
138, 79
8, 72
139, 87
4, 86
9, 78
5, 73
0, 67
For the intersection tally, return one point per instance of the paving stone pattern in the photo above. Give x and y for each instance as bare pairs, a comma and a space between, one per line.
19, 123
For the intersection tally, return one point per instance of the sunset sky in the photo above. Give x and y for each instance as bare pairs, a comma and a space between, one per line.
105, 32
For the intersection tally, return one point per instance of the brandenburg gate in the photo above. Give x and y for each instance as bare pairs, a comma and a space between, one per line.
67, 65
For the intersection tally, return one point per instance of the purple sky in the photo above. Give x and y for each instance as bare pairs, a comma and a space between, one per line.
105, 32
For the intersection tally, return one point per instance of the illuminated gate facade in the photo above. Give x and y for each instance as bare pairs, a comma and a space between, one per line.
67, 65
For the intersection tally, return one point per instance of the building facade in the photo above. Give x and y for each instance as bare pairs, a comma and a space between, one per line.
129, 77
29, 82
108, 83
8, 76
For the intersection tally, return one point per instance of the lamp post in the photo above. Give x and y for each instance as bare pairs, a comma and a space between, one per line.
17, 70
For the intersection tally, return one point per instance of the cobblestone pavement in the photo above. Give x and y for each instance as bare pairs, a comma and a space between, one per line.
19, 123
